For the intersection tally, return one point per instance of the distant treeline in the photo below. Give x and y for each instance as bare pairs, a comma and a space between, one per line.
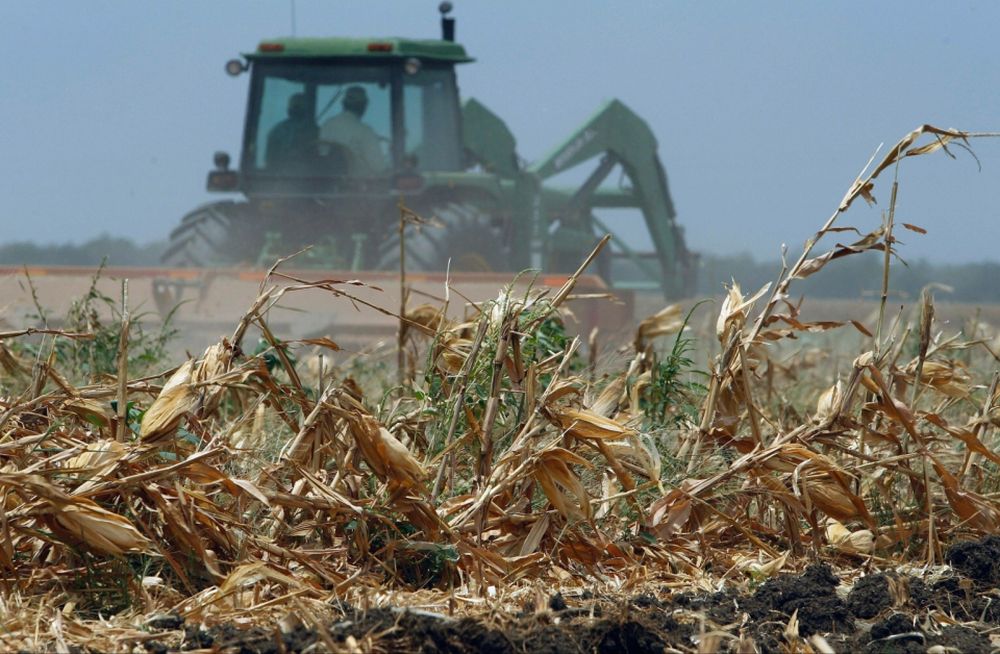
859, 276
852, 277
118, 251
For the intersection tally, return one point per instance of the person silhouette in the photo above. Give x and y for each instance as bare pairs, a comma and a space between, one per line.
291, 141
348, 130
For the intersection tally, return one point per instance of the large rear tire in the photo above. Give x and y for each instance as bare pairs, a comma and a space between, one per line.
213, 235
473, 240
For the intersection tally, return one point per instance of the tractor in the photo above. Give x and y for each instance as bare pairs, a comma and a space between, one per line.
341, 133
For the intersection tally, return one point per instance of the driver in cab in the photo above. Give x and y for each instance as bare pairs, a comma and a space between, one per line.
347, 129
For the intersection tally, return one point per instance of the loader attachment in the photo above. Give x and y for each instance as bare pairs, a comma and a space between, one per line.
621, 138
488, 139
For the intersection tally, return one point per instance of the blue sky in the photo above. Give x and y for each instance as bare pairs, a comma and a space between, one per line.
764, 111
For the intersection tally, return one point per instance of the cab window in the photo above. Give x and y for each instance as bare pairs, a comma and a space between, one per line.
430, 109
320, 119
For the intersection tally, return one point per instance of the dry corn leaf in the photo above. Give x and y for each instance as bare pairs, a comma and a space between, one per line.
90, 410
213, 365
535, 535
809, 327
863, 186
588, 424
974, 510
947, 378
203, 473
427, 315
819, 482
669, 514
608, 488
861, 541
214, 362
828, 402
176, 400
967, 436
12, 364
388, 458
729, 311
402, 465
833, 498
176, 524
636, 391
554, 475
249, 574
639, 452
96, 456
452, 358
83, 521
668, 320
942, 137
791, 631
562, 388
607, 402
759, 570
895, 410
735, 308
250, 489
323, 341
871, 241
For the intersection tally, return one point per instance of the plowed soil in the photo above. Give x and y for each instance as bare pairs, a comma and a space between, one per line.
883, 613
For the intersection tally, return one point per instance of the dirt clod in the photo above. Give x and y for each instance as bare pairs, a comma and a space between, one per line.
962, 639
978, 560
895, 624
811, 594
155, 647
629, 638
165, 621
869, 596
902, 634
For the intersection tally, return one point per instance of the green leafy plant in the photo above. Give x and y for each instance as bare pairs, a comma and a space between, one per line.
672, 398
99, 315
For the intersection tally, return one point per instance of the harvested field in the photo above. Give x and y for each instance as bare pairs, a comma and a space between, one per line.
508, 487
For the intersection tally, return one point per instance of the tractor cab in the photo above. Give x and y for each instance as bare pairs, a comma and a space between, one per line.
335, 115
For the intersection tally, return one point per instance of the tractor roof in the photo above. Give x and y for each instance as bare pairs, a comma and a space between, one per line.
353, 47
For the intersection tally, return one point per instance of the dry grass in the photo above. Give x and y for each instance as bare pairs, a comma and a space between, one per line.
242, 488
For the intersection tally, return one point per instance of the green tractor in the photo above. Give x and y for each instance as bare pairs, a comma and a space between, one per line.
340, 132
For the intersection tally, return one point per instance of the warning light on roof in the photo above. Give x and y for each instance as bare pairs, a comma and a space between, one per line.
271, 47
379, 47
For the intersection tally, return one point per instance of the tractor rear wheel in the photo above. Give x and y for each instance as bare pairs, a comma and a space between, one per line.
472, 239
213, 235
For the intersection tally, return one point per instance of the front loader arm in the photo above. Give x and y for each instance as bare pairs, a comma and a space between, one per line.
620, 136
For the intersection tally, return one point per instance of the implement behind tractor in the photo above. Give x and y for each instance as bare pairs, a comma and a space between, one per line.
340, 131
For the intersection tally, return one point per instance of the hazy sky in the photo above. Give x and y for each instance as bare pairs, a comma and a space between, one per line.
765, 111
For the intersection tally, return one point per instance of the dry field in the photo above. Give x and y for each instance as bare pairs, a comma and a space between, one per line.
762, 479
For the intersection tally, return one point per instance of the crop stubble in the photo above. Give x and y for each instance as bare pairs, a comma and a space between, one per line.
245, 501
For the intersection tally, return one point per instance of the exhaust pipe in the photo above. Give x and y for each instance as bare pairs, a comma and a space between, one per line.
447, 22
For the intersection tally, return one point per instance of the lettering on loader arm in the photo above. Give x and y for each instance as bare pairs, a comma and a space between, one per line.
574, 146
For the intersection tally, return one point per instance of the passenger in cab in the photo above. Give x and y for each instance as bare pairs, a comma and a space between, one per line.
366, 158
